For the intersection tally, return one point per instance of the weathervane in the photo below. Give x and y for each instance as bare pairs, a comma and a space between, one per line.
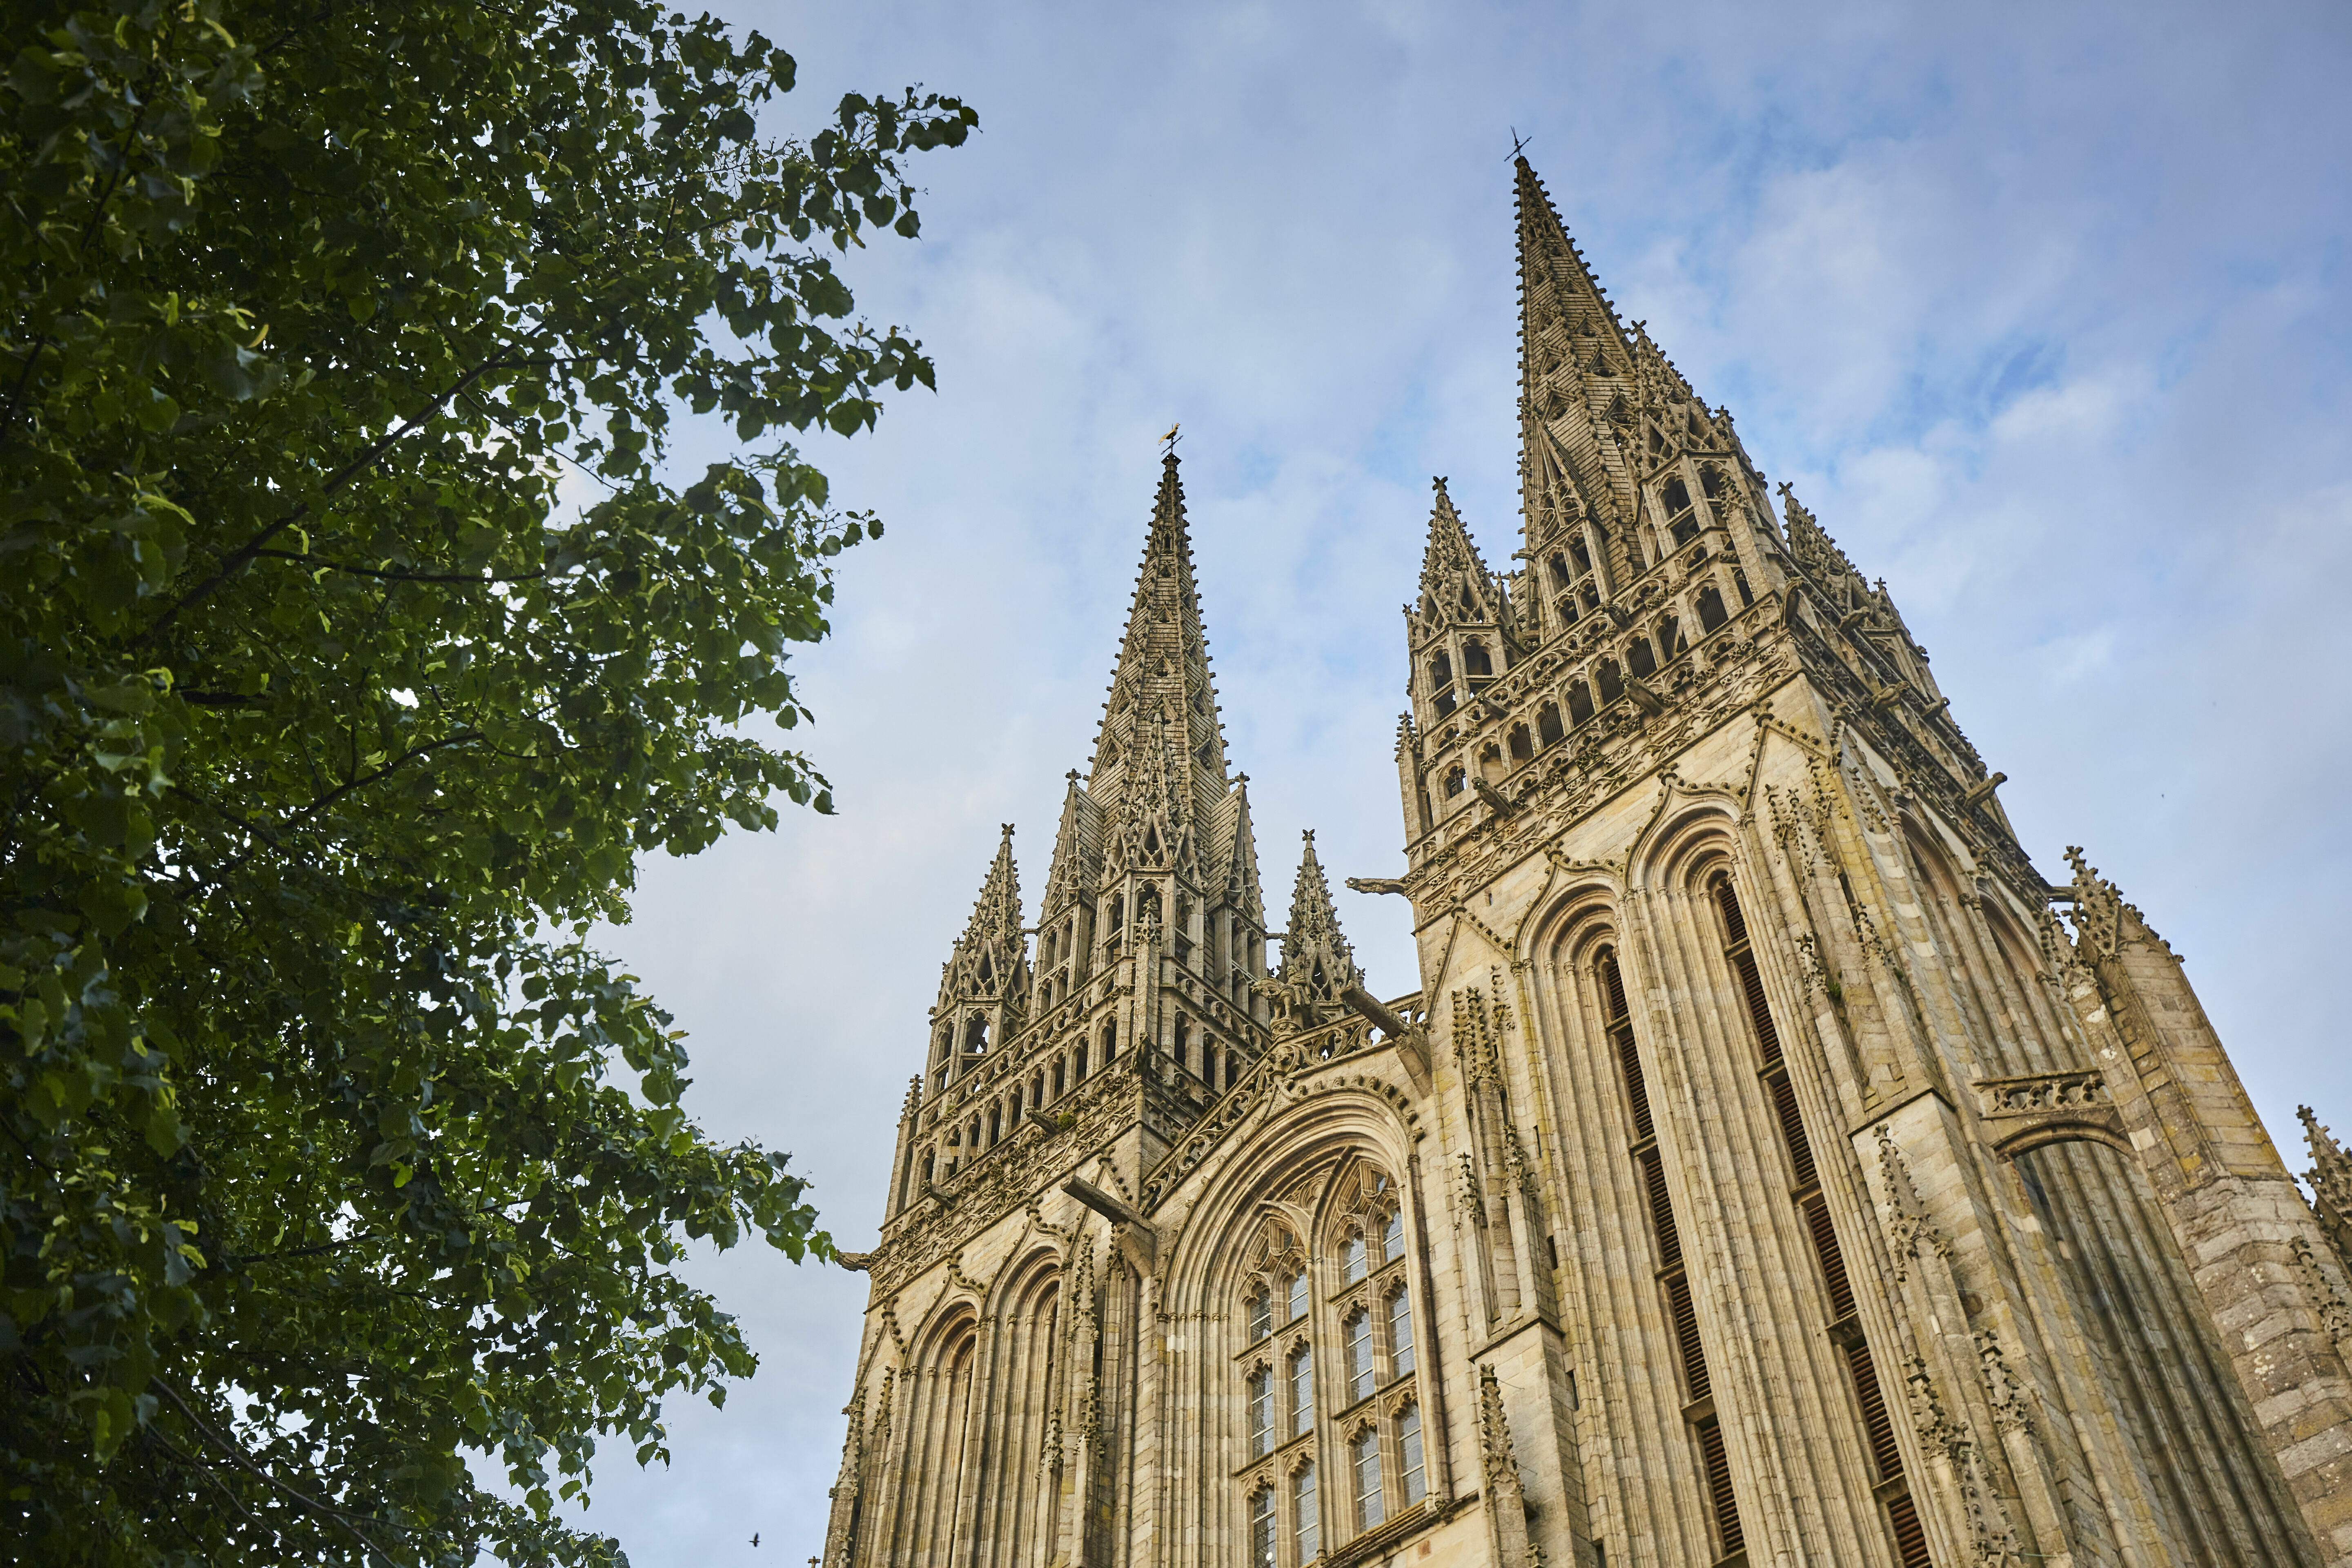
1518, 142
1168, 442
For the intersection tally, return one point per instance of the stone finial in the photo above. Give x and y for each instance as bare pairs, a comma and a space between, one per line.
2331, 1184
1318, 963
2100, 915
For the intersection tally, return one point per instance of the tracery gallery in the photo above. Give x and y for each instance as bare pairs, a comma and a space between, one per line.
1763, 1170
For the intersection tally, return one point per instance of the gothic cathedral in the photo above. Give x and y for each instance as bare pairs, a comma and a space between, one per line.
1763, 1172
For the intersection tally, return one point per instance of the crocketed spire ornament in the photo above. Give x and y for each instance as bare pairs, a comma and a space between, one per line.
2331, 1184
1317, 964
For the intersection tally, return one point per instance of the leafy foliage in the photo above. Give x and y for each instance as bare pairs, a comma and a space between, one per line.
327, 728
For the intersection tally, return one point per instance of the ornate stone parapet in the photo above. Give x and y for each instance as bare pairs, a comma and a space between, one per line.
2021, 1113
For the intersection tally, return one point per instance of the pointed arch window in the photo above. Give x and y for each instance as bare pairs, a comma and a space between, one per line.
1399, 1306
1682, 518
1326, 1370
1301, 1380
1710, 609
1261, 1528
1580, 702
1548, 729
1364, 1462
1261, 1412
1413, 1475
1357, 1344
1476, 660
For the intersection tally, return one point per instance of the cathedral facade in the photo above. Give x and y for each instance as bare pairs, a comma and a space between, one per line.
1772, 1167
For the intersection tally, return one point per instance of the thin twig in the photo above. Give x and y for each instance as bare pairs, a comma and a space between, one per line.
308, 560
245, 554
244, 1461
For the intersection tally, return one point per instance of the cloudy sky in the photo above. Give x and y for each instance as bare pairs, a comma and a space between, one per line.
2041, 309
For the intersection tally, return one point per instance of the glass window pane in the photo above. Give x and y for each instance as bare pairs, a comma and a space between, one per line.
1359, 1355
1261, 1412
1261, 1528
1302, 1390
1298, 1297
1393, 1239
1400, 1333
1366, 1458
1261, 1317
1409, 1431
1305, 1523
1352, 1258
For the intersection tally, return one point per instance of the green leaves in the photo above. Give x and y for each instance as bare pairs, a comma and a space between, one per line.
329, 1155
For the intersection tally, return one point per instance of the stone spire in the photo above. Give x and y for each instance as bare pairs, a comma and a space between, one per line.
1456, 585
984, 985
1241, 889
1577, 391
1159, 726
1077, 850
1317, 964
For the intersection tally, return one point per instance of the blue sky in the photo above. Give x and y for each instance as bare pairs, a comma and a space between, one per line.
2043, 310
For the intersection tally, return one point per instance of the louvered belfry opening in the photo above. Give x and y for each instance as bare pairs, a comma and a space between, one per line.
1673, 1279
1813, 1207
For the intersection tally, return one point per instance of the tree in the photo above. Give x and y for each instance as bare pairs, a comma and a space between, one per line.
327, 729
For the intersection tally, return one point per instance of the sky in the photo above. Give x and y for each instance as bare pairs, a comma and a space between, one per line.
2041, 309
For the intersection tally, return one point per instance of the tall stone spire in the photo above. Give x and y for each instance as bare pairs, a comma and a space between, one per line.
1160, 728
1578, 390
1317, 964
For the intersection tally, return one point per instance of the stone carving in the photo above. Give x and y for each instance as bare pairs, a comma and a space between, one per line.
1502, 1467
1908, 1227
2326, 1301
2012, 1409
2331, 1186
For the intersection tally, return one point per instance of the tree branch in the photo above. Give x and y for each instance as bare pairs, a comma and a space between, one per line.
244, 1461
242, 556
333, 795
308, 560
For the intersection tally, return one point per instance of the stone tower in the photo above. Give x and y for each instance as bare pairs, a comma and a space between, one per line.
1763, 1172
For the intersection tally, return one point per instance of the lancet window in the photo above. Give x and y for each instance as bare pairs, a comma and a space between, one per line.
1674, 1280
1682, 518
1813, 1210
1327, 1373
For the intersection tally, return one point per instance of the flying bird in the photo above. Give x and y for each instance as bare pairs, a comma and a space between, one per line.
755, 1537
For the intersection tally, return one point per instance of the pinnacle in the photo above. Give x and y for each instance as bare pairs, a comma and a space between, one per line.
1163, 674
1317, 964
997, 912
1313, 916
1451, 561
